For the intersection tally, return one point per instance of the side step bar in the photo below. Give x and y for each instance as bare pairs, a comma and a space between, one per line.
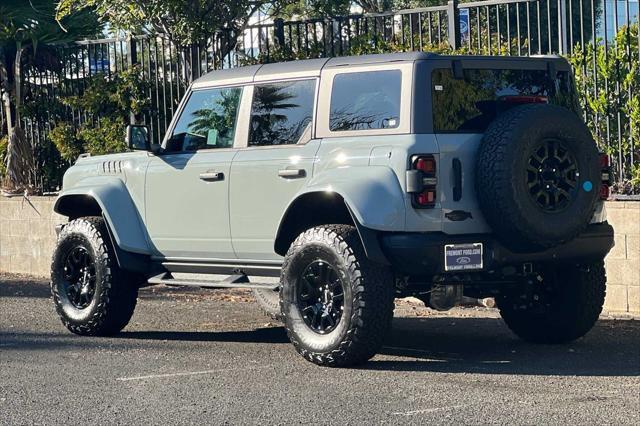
233, 281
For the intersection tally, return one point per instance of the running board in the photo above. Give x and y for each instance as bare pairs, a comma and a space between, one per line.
233, 281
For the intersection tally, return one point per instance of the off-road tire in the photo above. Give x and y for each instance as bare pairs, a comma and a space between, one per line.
368, 297
501, 177
116, 291
576, 299
269, 302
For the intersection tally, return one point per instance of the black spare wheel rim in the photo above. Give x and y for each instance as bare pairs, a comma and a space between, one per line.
552, 176
79, 277
320, 297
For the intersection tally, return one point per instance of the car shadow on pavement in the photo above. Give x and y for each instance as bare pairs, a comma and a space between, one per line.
18, 287
260, 335
486, 346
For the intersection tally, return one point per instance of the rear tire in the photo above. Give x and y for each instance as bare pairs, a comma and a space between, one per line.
269, 301
92, 295
337, 305
562, 307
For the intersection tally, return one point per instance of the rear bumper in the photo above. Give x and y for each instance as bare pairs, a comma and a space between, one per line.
423, 253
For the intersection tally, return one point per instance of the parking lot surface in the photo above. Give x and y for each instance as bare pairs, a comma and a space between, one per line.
194, 356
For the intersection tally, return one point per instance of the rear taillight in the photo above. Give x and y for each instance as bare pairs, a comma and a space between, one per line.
422, 181
426, 164
605, 176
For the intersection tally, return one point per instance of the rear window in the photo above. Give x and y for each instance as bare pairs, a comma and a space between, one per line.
469, 104
365, 100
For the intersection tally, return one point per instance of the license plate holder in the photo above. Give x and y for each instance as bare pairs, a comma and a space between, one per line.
463, 257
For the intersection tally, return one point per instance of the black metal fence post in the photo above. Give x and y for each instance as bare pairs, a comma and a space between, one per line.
132, 59
278, 31
453, 24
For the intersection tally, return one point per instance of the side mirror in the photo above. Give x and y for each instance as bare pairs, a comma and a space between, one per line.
138, 138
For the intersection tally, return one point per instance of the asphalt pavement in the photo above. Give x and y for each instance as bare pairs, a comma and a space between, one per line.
203, 356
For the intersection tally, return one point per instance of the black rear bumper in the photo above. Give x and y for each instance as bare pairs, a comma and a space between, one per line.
423, 253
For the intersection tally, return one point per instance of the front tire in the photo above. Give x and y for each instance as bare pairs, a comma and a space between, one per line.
563, 305
92, 295
337, 305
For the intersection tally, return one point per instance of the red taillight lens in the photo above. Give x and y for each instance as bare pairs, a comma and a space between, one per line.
426, 164
605, 175
426, 196
604, 192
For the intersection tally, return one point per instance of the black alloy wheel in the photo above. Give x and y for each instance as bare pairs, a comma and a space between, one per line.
79, 277
552, 176
320, 297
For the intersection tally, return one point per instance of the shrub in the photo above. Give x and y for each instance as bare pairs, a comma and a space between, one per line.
107, 103
613, 111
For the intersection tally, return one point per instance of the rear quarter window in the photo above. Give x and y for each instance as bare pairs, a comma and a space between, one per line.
470, 104
365, 100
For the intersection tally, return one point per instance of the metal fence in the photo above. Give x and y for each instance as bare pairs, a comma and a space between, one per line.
584, 28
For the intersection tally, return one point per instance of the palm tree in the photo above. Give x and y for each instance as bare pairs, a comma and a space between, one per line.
27, 27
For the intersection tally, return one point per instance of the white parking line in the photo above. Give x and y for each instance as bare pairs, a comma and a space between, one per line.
189, 373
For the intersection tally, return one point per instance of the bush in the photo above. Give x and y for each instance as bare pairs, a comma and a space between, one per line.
107, 103
613, 115
4, 142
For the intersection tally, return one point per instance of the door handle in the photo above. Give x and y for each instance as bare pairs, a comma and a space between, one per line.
292, 173
211, 176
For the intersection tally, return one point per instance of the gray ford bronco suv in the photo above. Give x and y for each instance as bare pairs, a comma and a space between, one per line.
355, 180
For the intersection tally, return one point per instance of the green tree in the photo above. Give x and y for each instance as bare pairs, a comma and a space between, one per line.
185, 22
27, 29
107, 102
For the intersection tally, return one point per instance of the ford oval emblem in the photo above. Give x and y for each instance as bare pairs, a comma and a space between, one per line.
463, 260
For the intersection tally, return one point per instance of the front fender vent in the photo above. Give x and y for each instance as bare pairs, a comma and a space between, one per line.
111, 167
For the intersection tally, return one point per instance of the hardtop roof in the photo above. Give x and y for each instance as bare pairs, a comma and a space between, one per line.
313, 67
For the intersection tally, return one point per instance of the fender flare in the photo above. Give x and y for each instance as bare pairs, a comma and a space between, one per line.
372, 194
118, 210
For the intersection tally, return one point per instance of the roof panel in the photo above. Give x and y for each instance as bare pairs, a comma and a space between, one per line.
240, 75
291, 69
379, 58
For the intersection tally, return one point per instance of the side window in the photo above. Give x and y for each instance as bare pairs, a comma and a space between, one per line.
281, 112
365, 100
208, 120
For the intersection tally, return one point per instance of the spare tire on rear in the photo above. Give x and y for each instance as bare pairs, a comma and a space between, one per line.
537, 176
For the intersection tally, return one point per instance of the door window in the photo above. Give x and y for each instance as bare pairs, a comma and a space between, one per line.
365, 100
208, 120
281, 112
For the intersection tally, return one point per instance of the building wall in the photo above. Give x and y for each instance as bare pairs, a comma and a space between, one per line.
27, 238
